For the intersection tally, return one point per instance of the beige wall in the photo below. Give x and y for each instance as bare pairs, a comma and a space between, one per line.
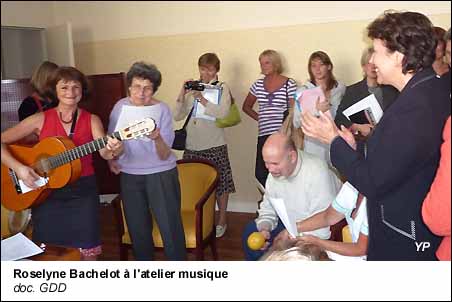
177, 37
177, 55
28, 13
96, 21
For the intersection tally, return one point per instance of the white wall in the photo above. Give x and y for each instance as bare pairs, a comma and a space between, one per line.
108, 20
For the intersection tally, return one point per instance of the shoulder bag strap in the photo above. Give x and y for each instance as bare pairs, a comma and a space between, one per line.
188, 117
287, 93
37, 101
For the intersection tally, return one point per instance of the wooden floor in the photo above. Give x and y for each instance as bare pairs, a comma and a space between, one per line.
229, 246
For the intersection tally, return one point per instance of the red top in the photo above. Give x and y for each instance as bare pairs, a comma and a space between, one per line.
436, 206
82, 134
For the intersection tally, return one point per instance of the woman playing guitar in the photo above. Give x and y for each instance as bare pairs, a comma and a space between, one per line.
70, 215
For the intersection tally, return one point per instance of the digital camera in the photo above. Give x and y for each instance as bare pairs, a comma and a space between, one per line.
194, 85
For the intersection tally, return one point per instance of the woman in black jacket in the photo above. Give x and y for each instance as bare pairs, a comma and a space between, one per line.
404, 149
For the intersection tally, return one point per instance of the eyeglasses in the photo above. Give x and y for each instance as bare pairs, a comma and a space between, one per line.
138, 88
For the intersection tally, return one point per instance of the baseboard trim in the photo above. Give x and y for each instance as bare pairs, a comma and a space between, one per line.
242, 206
233, 205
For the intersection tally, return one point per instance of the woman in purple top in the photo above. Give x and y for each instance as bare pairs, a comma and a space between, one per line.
148, 173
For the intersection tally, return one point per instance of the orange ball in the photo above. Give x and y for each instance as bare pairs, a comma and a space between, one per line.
256, 241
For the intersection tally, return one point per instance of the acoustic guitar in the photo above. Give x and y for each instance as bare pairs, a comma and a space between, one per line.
57, 161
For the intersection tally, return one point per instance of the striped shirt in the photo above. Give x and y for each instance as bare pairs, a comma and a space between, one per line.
272, 105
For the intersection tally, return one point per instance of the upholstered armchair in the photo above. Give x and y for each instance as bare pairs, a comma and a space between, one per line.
198, 180
346, 235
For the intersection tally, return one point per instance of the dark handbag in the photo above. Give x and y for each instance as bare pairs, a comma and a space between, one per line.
286, 112
180, 135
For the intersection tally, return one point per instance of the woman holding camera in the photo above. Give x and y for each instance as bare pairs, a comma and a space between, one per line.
204, 139
403, 151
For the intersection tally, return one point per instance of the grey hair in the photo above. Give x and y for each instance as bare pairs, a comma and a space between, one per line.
367, 53
294, 253
145, 71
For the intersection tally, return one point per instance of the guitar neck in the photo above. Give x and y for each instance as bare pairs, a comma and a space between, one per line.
80, 151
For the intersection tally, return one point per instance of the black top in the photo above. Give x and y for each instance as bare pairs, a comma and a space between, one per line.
403, 153
29, 107
355, 93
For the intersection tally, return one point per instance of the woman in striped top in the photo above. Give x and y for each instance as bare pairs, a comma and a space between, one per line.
274, 95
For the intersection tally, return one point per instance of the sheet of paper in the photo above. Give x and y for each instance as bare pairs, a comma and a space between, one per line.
287, 219
18, 247
42, 181
133, 114
213, 95
370, 105
308, 98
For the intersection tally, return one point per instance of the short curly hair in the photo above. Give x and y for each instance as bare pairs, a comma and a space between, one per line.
69, 73
145, 71
409, 33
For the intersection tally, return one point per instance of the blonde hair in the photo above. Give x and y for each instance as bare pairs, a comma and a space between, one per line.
40, 78
275, 58
365, 56
291, 254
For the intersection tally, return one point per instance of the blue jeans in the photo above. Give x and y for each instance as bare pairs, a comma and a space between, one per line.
251, 227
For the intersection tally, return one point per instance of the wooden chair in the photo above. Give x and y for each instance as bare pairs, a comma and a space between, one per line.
198, 180
336, 230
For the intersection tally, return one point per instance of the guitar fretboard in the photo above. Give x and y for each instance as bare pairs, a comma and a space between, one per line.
80, 151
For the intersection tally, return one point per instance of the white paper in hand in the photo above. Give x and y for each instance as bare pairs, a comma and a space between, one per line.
287, 219
213, 95
368, 104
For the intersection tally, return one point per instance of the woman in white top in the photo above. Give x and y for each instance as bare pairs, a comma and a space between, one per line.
321, 75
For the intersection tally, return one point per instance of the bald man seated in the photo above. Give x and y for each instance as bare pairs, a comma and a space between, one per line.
304, 183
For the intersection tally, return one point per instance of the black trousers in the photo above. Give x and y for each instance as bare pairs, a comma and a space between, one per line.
261, 172
154, 194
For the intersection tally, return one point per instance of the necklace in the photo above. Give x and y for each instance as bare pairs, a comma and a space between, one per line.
66, 122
